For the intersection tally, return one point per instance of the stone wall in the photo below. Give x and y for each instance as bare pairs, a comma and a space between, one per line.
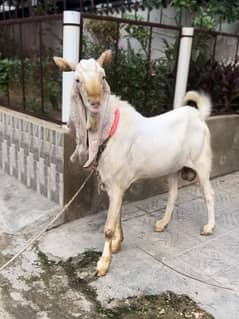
225, 144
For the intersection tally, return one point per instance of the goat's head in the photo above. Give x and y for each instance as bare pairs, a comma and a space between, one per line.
89, 79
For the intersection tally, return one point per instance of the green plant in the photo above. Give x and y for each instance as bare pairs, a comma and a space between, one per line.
104, 32
147, 85
139, 33
4, 71
219, 80
186, 4
206, 13
12, 73
204, 19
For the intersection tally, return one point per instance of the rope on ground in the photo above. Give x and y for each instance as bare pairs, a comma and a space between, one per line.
184, 274
32, 240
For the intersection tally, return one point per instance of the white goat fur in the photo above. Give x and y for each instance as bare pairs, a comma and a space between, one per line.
153, 147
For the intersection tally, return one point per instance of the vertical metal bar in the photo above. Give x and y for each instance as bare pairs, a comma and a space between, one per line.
64, 5
148, 68
9, 11
33, 11
148, 15
107, 7
4, 14
30, 7
121, 8
214, 47
180, 16
92, 5
81, 36
16, 10
237, 48
54, 5
41, 67
135, 10
192, 17
8, 92
81, 5
161, 15
116, 57
22, 8
220, 24
22, 68
176, 62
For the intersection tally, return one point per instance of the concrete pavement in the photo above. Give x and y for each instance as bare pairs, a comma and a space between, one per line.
137, 269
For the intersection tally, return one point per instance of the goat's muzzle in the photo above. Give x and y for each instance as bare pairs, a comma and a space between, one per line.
94, 107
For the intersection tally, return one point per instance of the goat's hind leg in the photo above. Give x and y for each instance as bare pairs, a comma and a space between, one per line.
172, 196
208, 194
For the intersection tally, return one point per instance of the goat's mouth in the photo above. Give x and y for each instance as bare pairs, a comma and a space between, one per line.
94, 108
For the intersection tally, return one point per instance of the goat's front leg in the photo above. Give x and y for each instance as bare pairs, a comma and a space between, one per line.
118, 235
172, 196
115, 198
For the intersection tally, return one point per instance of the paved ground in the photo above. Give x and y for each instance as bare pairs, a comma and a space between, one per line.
138, 268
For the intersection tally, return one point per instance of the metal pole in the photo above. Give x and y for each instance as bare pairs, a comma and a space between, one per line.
71, 45
183, 65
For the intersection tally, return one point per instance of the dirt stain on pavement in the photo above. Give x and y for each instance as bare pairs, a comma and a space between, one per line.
62, 290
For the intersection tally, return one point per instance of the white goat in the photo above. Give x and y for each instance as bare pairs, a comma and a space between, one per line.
144, 148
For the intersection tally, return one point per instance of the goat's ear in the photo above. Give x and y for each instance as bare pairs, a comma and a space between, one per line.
64, 65
105, 57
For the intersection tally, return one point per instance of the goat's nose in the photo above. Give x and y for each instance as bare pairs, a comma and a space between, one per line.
95, 104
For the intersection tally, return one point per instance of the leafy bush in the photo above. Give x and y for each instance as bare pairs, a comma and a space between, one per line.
220, 81
148, 86
11, 79
4, 71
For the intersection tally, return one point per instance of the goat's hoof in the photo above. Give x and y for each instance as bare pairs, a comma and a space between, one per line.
116, 246
160, 226
102, 266
207, 230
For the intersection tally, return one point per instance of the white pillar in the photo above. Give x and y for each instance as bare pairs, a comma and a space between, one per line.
183, 65
71, 47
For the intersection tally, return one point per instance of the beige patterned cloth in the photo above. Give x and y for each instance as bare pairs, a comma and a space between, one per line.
88, 141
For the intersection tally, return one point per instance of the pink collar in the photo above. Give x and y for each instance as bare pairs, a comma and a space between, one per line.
115, 123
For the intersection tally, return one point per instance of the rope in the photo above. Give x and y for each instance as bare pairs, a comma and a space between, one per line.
32, 240
188, 275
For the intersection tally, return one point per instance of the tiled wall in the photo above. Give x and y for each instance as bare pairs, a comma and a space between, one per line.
32, 150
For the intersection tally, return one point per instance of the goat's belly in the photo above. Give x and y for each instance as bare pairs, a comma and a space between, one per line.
154, 159
157, 168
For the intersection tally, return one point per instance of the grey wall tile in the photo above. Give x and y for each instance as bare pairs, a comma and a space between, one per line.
32, 153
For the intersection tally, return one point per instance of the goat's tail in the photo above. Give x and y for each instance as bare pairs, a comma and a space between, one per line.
202, 101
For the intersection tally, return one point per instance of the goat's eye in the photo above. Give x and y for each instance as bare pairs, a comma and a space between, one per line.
77, 80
